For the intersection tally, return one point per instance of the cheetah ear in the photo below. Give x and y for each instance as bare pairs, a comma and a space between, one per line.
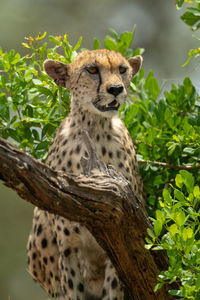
58, 71
136, 63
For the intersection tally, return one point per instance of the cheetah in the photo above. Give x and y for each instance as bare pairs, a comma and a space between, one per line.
63, 256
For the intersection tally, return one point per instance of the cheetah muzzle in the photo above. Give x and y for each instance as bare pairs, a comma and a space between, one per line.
114, 105
63, 257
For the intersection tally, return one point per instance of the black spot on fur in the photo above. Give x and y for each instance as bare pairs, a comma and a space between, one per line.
70, 283
64, 153
54, 241
45, 260
73, 124
80, 287
66, 231
58, 227
39, 229
103, 292
118, 154
65, 142
73, 272
110, 154
103, 150
35, 274
114, 283
76, 229
44, 243
69, 163
78, 148
129, 151
109, 137
67, 252
51, 259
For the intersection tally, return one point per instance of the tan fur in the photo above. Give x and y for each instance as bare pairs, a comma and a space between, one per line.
63, 256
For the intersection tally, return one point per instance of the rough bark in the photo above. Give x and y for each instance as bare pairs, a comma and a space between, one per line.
100, 199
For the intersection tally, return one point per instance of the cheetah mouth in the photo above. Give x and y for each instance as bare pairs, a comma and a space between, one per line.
114, 105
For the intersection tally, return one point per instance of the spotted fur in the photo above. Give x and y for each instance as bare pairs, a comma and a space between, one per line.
62, 255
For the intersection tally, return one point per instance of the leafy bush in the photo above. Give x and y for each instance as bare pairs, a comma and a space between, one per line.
176, 230
164, 128
191, 17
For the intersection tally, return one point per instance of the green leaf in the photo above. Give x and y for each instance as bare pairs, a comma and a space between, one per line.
160, 216
194, 10
150, 233
148, 240
179, 4
16, 59
187, 233
158, 286
114, 34
179, 180
78, 44
157, 227
180, 218
173, 229
188, 180
96, 44
175, 292
196, 191
190, 18
126, 38
167, 197
169, 118
179, 195
197, 285
152, 86
148, 247
43, 145
189, 150
55, 40
110, 44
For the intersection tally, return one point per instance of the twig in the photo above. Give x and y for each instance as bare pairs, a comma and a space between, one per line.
169, 166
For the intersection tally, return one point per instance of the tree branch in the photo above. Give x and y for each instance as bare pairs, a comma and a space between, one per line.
169, 166
100, 199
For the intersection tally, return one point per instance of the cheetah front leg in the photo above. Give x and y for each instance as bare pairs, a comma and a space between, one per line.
70, 274
43, 254
112, 288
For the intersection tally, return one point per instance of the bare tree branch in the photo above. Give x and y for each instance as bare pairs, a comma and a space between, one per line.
170, 166
100, 199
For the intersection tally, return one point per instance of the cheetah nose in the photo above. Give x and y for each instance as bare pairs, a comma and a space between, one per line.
115, 89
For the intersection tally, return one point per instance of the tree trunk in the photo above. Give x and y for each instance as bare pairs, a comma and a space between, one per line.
100, 199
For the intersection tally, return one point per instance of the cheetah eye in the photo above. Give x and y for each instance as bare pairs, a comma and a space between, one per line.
92, 70
122, 70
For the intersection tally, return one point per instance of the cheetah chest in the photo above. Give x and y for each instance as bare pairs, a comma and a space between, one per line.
110, 139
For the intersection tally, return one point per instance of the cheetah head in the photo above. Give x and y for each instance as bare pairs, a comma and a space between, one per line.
97, 79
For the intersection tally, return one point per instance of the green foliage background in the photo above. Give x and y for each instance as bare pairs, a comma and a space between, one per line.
164, 126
